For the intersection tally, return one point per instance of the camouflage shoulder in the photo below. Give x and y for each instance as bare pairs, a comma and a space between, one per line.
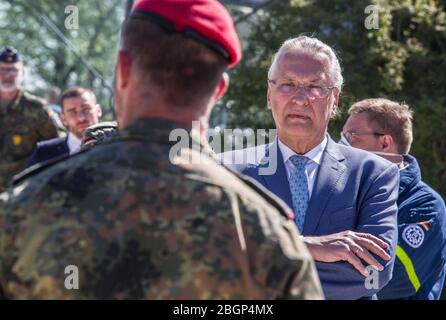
39, 167
215, 173
270, 197
98, 133
33, 100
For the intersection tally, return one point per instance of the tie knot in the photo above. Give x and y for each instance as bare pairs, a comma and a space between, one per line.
299, 161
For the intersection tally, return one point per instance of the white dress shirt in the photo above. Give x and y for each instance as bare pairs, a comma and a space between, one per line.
312, 167
74, 143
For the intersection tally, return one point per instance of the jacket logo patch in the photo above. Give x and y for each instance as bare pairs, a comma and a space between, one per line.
413, 235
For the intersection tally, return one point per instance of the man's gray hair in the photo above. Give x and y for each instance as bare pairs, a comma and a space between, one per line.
316, 48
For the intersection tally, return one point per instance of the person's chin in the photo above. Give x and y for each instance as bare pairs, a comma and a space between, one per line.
299, 125
81, 129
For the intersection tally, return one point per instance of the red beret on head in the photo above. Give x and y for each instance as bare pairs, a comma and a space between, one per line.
206, 21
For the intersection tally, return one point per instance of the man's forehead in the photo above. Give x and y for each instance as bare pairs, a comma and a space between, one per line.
85, 98
292, 64
357, 121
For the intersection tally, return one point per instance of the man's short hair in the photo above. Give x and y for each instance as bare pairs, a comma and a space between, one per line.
75, 92
318, 49
388, 117
183, 70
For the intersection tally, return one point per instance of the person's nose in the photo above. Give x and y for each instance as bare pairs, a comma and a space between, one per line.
81, 116
300, 96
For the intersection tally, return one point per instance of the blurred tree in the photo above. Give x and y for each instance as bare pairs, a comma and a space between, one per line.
54, 62
402, 60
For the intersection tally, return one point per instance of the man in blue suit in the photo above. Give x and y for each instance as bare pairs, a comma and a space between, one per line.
384, 127
344, 199
80, 110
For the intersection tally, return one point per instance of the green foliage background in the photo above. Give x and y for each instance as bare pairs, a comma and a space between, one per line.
404, 59
49, 60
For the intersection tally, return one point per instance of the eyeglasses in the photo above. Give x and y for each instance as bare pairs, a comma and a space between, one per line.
351, 135
289, 88
4, 70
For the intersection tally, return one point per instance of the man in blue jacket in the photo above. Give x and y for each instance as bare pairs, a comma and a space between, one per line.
385, 128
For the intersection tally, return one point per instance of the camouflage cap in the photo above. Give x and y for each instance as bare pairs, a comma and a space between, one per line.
9, 55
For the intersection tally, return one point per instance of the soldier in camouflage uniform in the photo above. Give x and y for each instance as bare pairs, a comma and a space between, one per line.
138, 220
23, 119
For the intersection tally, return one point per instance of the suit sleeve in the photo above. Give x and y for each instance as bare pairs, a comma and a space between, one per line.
35, 157
377, 216
419, 251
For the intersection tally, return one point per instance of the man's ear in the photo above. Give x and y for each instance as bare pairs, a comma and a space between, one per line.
335, 102
123, 67
388, 144
99, 110
62, 118
268, 97
221, 88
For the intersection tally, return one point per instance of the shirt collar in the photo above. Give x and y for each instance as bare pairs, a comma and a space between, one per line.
314, 154
410, 175
73, 142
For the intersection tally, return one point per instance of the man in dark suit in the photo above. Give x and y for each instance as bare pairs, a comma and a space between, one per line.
344, 199
80, 110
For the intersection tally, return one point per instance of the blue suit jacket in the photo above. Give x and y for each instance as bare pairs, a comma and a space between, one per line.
354, 190
49, 149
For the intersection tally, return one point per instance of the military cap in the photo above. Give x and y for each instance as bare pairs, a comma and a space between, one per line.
9, 55
206, 21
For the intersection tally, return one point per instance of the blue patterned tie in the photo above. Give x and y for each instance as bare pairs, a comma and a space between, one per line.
299, 189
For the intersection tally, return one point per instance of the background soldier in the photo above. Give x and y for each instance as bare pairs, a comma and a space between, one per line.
23, 118
141, 221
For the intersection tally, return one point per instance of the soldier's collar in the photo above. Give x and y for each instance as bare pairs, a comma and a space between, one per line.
157, 129
14, 102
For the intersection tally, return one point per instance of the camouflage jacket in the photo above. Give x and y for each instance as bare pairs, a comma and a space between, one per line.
23, 122
138, 218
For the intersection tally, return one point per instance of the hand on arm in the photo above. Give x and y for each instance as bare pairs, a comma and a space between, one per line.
349, 246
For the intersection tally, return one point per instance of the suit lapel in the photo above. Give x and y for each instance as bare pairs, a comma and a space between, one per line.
330, 172
64, 146
278, 181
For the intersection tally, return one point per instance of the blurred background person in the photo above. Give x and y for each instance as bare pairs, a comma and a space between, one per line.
80, 110
54, 109
23, 118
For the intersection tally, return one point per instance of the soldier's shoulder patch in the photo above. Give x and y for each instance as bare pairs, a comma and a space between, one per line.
98, 133
413, 235
33, 100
